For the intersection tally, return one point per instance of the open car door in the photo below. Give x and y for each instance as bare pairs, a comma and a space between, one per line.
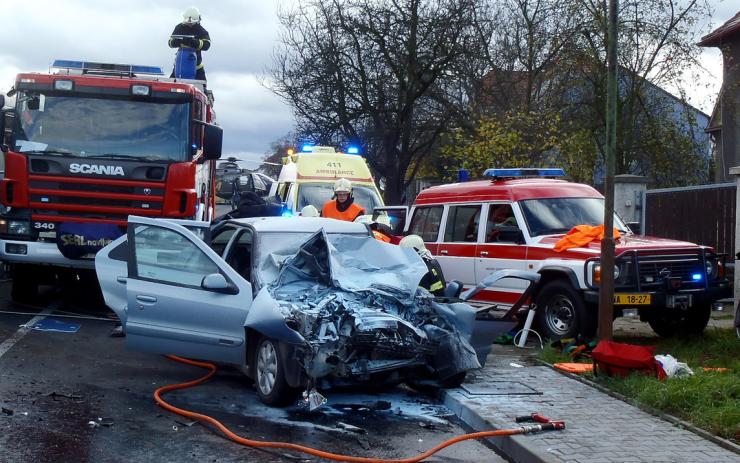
183, 299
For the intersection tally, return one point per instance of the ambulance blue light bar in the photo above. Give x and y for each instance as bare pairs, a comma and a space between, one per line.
85, 67
307, 148
353, 150
522, 173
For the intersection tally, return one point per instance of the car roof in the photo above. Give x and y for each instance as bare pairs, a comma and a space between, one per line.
505, 190
302, 225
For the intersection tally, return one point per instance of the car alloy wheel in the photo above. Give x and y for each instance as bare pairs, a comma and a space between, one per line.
267, 367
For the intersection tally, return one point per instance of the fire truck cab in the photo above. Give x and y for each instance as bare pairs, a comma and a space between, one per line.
88, 144
513, 221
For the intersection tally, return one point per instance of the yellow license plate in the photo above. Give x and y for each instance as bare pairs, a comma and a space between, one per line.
632, 299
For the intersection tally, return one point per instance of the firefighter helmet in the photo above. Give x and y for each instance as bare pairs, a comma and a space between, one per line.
309, 211
413, 241
191, 16
342, 185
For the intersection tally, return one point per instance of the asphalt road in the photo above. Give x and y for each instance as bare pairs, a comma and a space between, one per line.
54, 384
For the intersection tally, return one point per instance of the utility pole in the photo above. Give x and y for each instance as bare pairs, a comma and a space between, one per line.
606, 290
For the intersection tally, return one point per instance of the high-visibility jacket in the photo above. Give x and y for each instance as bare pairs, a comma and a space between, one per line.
434, 280
381, 237
331, 211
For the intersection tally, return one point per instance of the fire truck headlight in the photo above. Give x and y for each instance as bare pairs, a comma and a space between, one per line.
19, 227
66, 85
140, 90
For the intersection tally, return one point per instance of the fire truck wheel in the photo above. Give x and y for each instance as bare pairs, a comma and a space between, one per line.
25, 287
561, 312
667, 323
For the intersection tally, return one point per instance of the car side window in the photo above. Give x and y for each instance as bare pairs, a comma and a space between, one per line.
500, 218
240, 255
219, 242
462, 224
426, 222
166, 256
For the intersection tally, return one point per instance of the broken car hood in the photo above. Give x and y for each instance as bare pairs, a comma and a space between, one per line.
355, 304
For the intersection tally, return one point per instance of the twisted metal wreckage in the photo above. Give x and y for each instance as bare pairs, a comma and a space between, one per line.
358, 308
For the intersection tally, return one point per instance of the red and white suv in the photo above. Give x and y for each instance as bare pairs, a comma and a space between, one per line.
513, 221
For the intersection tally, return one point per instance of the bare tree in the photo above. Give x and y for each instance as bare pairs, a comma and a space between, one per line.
390, 75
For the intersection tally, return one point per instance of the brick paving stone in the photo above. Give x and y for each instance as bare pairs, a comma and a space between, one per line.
599, 427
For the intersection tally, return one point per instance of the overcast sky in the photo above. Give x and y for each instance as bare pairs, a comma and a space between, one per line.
243, 33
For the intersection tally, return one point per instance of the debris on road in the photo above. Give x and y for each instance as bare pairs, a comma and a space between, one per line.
351, 428
7, 411
54, 395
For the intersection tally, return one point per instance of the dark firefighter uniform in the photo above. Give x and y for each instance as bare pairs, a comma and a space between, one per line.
347, 210
434, 280
202, 41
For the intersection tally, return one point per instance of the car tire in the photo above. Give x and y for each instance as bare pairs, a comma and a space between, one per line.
25, 286
562, 313
668, 323
269, 375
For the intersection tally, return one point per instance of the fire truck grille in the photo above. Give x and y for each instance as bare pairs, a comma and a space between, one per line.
654, 270
79, 200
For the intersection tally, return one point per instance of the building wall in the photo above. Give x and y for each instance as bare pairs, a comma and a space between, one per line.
730, 105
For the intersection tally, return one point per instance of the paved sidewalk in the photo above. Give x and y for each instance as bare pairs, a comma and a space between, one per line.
600, 428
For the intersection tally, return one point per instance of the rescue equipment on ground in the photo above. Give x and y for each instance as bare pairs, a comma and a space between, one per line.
619, 359
543, 424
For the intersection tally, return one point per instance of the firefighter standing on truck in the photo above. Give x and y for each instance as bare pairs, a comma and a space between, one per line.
190, 26
342, 205
434, 280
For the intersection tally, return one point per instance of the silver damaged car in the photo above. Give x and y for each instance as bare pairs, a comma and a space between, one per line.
298, 303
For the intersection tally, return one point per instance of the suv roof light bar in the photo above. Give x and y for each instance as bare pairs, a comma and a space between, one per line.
523, 173
86, 67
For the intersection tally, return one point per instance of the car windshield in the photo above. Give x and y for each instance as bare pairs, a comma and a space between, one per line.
82, 126
558, 215
316, 194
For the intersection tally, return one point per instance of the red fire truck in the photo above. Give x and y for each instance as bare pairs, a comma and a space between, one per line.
86, 145
513, 221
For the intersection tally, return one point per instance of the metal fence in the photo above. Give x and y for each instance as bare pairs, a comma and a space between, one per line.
702, 214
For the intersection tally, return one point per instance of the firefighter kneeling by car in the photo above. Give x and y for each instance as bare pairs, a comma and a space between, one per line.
434, 280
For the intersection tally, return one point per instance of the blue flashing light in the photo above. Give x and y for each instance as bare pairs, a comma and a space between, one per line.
696, 276
353, 150
107, 67
526, 172
194, 146
307, 148
287, 213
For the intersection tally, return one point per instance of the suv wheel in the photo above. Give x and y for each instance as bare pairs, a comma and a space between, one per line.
561, 312
269, 377
668, 323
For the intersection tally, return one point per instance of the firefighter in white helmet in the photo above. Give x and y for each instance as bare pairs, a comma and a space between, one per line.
189, 33
434, 280
342, 205
309, 211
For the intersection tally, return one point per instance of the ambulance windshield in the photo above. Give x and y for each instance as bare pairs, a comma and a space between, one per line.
316, 194
558, 215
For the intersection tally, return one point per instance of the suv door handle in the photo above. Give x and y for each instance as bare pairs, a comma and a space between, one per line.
444, 251
146, 299
484, 253
121, 280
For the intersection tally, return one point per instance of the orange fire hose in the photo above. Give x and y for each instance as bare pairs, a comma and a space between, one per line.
309, 450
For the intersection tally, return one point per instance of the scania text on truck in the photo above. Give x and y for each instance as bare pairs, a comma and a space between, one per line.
87, 144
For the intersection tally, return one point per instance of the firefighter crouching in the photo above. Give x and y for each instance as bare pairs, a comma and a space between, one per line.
434, 280
342, 205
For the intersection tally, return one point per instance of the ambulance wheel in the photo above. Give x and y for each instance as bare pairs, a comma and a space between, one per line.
25, 288
562, 313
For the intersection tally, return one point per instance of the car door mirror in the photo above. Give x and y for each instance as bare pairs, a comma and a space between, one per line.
217, 282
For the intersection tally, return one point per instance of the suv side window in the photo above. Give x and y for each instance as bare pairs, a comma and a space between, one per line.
462, 224
426, 222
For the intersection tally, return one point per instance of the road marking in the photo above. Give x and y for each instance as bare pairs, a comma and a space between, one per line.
22, 331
